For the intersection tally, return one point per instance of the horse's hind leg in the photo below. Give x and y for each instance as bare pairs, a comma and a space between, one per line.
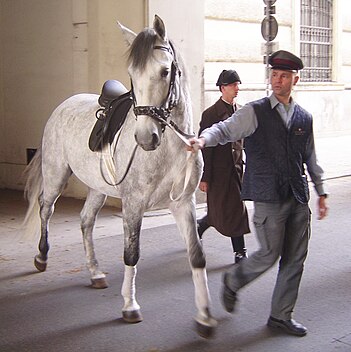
94, 202
51, 191
185, 216
46, 211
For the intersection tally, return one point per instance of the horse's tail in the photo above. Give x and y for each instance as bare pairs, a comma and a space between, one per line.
33, 188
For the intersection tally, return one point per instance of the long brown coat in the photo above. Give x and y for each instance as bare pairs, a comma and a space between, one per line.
223, 171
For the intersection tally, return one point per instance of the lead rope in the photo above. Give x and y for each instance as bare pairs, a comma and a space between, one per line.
188, 169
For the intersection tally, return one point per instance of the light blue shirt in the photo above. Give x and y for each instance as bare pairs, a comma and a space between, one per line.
243, 123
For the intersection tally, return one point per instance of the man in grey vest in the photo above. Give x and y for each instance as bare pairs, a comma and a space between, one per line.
279, 143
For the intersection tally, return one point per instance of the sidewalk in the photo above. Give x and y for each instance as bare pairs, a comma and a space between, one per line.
333, 154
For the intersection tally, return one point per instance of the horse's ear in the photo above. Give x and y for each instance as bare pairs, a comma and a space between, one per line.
160, 28
128, 34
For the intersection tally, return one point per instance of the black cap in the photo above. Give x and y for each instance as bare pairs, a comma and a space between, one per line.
228, 77
284, 60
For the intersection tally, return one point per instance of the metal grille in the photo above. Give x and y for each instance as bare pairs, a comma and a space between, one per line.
316, 40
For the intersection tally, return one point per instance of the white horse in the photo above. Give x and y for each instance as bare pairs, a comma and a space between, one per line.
159, 173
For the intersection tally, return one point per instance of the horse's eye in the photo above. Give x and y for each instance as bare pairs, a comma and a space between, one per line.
164, 73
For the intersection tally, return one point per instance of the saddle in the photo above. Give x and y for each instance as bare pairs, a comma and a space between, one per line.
115, 101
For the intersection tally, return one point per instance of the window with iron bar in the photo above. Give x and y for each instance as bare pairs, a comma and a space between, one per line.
316, 40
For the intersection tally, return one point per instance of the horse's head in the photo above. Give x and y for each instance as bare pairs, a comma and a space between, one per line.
154, 75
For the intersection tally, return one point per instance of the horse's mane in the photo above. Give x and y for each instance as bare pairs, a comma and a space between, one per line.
142, 48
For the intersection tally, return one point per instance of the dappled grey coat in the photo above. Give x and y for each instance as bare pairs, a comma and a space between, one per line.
223, 171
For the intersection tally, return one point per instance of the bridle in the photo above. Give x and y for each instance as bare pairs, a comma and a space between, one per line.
162, 113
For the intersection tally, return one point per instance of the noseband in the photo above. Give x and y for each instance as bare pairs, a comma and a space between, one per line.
162, 113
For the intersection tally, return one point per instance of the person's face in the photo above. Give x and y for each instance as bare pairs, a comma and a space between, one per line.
230, 91
282, 82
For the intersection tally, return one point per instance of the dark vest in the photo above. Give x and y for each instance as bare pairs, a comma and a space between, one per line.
276, 155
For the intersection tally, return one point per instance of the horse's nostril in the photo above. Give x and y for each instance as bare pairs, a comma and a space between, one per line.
155, 139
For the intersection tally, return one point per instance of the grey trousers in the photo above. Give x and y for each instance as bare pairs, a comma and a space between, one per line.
283, 231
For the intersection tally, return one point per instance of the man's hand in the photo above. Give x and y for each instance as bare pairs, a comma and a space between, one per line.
203, 186
322, 208
196, 144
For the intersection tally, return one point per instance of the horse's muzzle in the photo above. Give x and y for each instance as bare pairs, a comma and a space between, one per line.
149, 144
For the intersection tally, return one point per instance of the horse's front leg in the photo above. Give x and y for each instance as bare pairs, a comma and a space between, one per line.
185, 216
132, 225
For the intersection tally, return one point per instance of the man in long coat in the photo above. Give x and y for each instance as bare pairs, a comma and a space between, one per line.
223, 172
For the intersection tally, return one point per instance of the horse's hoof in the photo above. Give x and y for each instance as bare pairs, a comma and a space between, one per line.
39, 264
132, 317
99, 283
205, 330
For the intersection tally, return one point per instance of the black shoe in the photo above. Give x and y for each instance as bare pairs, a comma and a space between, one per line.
240, 255
201, 228
290, 326
228, 296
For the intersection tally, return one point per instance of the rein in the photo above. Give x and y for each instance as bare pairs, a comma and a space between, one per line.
107, 158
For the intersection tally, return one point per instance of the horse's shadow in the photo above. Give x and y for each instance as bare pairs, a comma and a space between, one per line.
20, 275
68, 335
